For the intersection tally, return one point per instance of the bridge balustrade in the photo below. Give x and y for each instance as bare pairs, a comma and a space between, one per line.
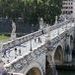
28, 37
65, 26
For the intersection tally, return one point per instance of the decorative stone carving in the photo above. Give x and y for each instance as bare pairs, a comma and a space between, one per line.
41, 23
26, 60
33, 55
13, 34
18, 66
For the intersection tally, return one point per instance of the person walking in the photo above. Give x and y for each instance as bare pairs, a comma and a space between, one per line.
20, 52
15, 53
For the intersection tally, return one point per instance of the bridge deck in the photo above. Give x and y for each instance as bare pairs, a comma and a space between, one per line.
25, 47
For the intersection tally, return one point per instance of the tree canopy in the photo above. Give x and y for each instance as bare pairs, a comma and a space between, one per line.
31, 10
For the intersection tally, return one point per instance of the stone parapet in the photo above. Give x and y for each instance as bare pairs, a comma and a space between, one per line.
18, 41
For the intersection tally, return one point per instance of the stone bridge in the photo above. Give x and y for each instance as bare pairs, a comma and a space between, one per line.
35, 53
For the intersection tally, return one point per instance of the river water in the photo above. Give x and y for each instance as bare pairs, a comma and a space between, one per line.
62, 72
68, 72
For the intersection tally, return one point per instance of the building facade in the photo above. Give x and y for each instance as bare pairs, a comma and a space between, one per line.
67, 6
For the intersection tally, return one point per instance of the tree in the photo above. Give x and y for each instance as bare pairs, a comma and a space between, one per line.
47, 9
31, 10
12, 8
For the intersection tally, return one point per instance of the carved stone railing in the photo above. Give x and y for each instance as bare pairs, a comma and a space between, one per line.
18, 64
61, 36
10, 44
23, 61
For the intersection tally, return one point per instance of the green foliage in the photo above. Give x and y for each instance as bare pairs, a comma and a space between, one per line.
31, 10
11, 8
4, 38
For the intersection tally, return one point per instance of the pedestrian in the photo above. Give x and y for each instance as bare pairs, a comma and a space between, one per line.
15, 53
39, 40
42, 31
4, 53
15, 49
20, 52
35, 39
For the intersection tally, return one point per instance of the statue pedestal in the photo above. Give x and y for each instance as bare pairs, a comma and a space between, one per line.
13, 36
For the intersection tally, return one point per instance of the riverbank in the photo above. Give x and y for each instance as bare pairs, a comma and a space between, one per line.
4, 38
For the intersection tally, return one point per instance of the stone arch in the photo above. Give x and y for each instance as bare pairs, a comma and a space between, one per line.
58, 55
33, 69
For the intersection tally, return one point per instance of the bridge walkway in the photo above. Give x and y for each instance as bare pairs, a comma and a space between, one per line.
25, 47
